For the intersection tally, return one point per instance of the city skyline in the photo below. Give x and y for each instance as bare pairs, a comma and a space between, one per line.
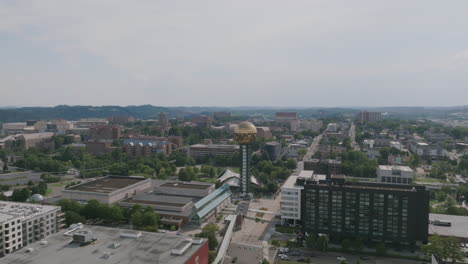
269, 53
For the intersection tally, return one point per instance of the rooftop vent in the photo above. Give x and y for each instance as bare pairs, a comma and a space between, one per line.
84, 237
43, 243
115, 245
182, 247
29, 250
131, 234
197, 241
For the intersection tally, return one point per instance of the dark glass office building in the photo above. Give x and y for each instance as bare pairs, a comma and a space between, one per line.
369, 211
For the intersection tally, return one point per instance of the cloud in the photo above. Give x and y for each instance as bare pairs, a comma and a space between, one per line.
155, 51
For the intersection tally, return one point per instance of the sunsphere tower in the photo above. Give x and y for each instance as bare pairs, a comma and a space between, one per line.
245, 134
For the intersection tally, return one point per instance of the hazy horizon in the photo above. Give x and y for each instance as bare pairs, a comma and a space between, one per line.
254, 53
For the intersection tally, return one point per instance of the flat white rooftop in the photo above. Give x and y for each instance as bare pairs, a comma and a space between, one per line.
112, 246
291, 181
10, 210
395, 167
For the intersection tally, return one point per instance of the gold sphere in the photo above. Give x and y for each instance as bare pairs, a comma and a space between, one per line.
245, 133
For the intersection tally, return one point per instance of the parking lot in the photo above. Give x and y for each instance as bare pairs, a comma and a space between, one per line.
332, 258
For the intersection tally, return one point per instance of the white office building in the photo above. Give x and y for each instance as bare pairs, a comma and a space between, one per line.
291, 197
24, 223
395, 174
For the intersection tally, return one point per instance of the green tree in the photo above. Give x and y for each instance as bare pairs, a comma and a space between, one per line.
20, 195
346, 245
322, 243
73, 218
447, 248
291, 164
381, 250
150, 218
310, 241
92, 210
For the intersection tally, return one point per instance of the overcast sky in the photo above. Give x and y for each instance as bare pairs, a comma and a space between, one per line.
216, 53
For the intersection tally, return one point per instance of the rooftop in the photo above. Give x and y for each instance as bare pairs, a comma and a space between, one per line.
186, 185
291, 181
112, 246
215, 146
107, 184
395, 167
11, 210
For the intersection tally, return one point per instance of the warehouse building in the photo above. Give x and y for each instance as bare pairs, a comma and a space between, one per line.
109, 190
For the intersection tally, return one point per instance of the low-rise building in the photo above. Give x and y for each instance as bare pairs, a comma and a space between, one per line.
106, 132
395, 174
38, 140
145, 148
202, 150
10, 128
109, 190
104, 245
179, 202
202, 121
22, 224
121, 120
264, 132
98, 147
90, 122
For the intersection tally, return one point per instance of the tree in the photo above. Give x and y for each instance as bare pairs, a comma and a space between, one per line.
73, 218
310, 241
92, 210
5, 166
357, 245
322, 243
346, 245
137, 219
447, 248
381, 250
291, 164
264, 261
21, 195
150, 218
358, 261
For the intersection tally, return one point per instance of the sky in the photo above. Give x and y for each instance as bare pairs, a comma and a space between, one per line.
307, 53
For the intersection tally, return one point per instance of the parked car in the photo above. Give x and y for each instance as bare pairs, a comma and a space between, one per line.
341, 258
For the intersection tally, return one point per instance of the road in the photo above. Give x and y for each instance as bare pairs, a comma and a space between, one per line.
352, 136
331, 258
313, 148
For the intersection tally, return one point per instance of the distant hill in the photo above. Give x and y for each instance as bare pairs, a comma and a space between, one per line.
150, 112
76, 112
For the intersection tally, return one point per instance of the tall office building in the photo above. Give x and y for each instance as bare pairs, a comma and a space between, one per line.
163, 122
245, 134
368, 211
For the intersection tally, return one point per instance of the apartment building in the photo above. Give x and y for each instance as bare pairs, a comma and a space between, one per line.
23, 223
370, 211
370, 116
